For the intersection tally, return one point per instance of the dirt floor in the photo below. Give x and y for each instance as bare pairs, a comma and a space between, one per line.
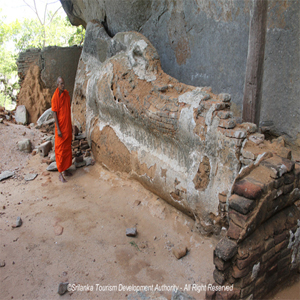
75, 232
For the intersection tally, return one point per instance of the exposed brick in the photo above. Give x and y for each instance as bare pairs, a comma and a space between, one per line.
265, 288
278, 204
223, 114
283, 273
245, 281
281, 246
222, 197
281, 237
278, 182
285, 252
252, 258
241, 204
272, 270
226, 249
221, 296
237, 218
237, 273
295, 195
234, 295
234, 133
219, 277
243, 253
227, 123
247, 290
269, 244
285, 153
224, 97
289, 178
261, 280
277, 162
217, 105
220, 263
210, 295
269, 264
250, 127
248, 154
268, 255
248, 189
274, 194
284, 262
234, 231
287, 188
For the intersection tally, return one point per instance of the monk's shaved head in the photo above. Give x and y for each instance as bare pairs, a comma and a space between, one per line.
60, 84
59, 78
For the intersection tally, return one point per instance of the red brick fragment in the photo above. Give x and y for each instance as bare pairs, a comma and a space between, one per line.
220, 263
281, 237
226, 249
219, 276
237, 273
234, 231
248, 189
237, 218
241, 204
252, 258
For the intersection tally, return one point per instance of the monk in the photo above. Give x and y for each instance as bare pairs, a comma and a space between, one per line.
61, 107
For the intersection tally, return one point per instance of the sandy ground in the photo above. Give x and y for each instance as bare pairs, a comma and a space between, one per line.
91, 211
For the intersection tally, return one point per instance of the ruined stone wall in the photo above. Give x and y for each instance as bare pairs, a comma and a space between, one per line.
262, 246
53, 62
206, 43
38, 71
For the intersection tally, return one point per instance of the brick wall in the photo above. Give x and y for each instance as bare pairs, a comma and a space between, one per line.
262, 246
53, 62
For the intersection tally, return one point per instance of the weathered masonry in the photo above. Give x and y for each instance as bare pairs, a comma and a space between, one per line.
187, 144
38, 70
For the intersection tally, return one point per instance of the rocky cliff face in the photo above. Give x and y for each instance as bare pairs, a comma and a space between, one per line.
206, 43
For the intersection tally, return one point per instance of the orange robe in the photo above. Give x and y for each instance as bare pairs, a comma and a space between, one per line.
63, 150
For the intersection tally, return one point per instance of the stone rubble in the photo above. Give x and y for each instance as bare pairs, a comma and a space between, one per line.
62, 288
132, 232
21, 115
179, 251
30, 177
25, 145
6, 174
19, 223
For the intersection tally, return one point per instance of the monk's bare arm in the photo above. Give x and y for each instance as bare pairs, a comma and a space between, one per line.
56, 123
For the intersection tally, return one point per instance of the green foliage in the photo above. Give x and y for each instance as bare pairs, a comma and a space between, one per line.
56, 32
16, 37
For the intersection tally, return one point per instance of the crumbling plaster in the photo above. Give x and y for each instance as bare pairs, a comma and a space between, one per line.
161, 137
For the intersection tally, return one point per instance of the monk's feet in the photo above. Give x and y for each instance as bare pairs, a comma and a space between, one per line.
67, 173
62, 178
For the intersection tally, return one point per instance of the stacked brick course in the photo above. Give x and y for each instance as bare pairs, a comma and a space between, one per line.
262, 246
